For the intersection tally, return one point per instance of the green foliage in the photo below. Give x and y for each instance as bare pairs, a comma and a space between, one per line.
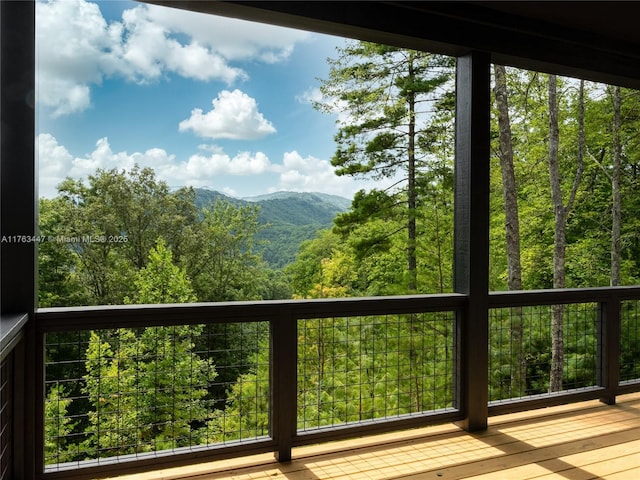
363, 368
102, 231
534, 343
630, 341
350, 370
386, 93
286, 220
306, 272
224, 265
377, 248
246, 414
59, 284
58, 426
160, 281
278, 243
146, 387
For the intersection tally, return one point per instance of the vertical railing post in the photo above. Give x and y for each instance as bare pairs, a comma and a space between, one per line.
609, 348
471, 235
284, 361
18, 206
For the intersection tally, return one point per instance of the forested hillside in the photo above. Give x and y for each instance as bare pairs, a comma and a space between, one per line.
565, 209
287, 219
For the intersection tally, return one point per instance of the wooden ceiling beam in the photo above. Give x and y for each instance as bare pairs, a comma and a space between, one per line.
455, 28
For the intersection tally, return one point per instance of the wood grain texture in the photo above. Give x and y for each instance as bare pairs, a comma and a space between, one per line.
588, 440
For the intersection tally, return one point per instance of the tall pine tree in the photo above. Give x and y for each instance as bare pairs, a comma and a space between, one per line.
385, 98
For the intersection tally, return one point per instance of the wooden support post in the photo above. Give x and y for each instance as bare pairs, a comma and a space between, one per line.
471, 236
17, 161
284, 361
18, 220
609, 349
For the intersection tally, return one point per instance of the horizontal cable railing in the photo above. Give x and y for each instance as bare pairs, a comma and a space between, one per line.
521, 346
174, 384
356, 369
124, 391
630, 342
595, 352
129, 388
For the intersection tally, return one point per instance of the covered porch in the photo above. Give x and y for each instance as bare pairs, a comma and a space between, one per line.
590, 430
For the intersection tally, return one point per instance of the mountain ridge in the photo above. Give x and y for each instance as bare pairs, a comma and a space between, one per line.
288, 218
337, 200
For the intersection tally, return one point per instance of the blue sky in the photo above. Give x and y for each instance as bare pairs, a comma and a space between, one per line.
206, 101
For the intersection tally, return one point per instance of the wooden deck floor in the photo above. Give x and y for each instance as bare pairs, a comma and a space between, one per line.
580, 441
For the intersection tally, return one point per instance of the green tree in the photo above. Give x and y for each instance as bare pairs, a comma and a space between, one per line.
222, 262
147, 389
246, 411
385, 92
351, 370
58, 280
58, 426
111, 223
147, 386
306, 271
161, 281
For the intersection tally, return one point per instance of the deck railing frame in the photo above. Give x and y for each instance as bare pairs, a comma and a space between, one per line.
283, 317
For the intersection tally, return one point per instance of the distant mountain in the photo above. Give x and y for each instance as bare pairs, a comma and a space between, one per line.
289, 218
206, 198
341, 203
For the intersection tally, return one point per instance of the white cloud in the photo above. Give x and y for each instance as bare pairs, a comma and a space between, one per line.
149, 51
212, 171
77, 48
311, 95
215, 169
200, 170
234, 39
234, 116
309, 174
55, 163
74, 46
246, 164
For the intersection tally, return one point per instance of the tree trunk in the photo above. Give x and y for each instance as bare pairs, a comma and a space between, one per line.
559, 241
616, 209
411, 188
561, 213
512, 227
439, 248
509, 192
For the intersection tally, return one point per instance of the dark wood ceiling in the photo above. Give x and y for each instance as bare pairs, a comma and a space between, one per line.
611, 21
595, 40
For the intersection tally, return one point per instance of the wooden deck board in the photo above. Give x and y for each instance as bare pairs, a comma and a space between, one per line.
576, 442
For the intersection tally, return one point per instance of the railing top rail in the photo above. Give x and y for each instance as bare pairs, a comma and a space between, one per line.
10, 332
115, 316
521, 298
